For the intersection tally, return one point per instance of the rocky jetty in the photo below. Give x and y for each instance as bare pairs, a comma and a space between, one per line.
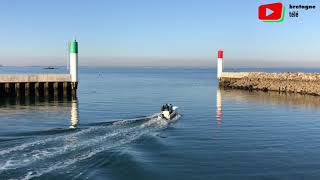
302, 83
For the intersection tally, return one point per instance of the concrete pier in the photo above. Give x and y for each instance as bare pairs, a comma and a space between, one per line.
37, 85
47, 85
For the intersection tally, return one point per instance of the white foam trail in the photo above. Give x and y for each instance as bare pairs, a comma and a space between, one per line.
90, 142
37, 155
39, 142
69, 162
126, 121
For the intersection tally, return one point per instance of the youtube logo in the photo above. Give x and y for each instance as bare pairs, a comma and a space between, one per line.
271, 12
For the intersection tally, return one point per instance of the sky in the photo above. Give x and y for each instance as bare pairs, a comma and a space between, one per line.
157, 33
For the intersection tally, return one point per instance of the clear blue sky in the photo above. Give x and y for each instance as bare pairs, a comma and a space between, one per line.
156, 32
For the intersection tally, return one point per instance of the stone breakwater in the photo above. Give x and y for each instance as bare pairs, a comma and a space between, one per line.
302, 83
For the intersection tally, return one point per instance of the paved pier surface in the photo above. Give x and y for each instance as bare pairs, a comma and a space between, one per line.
11, 78
302, 83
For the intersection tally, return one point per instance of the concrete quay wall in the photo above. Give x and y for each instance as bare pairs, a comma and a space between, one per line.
46, 85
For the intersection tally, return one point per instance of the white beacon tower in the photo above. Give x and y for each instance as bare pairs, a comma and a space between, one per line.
73, 55
220, 64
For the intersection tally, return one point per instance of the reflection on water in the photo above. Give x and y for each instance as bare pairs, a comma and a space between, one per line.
291, 99
74, 114
219, 106
13, 106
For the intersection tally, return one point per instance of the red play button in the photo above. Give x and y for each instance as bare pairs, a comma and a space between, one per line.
270, 12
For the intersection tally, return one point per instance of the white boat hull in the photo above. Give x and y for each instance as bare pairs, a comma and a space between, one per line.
169, 116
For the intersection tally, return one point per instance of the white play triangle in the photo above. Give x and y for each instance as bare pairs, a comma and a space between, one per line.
269, 12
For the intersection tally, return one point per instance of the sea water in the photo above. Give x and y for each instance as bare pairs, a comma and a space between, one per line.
112, 129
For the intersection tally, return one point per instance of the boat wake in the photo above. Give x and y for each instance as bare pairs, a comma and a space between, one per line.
39, 155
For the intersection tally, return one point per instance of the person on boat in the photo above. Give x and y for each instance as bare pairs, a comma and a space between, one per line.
170, 108
163, 107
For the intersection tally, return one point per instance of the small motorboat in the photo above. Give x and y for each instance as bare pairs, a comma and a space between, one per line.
168, 112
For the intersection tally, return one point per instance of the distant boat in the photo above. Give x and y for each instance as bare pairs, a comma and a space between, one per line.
50, 67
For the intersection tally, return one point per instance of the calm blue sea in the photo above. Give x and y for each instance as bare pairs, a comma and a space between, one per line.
112, 131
